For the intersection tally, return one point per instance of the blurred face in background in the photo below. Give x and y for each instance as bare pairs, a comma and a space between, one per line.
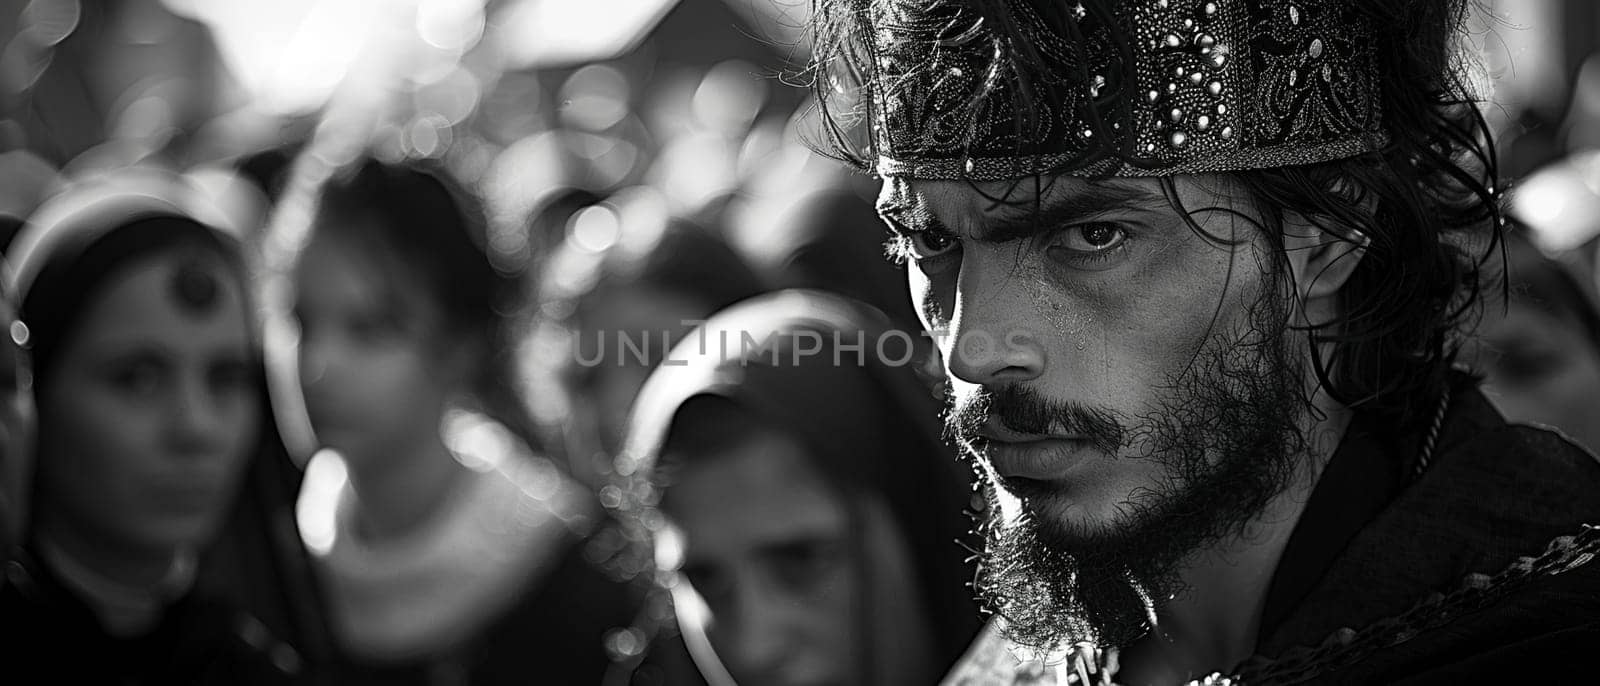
151, 408
1540, 367
16, 429
372, 366
629, 331
772, 551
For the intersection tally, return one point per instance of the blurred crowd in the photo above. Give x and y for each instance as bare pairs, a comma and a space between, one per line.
437, 351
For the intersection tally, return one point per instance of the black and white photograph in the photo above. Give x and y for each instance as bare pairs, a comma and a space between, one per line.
799, 342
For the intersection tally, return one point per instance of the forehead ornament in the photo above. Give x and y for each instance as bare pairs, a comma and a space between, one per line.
194, 286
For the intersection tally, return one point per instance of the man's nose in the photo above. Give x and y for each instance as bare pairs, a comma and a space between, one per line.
993, 331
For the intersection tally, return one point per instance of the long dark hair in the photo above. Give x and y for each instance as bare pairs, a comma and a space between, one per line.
1429, 200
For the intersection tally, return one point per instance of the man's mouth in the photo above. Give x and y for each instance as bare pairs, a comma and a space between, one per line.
1031, 457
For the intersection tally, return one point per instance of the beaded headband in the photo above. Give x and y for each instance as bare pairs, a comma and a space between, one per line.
1118, 88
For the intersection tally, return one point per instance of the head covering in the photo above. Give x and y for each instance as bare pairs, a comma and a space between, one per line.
1001, 89
834, 374
77, 239
62, 257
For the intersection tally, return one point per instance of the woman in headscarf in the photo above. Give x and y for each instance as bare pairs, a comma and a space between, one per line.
789, 462
151, 409
446, 540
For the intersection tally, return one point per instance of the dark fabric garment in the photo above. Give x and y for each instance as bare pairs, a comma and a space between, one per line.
1493, 493
52, 637
554, 635
258, 564
1364, 475
1547, 629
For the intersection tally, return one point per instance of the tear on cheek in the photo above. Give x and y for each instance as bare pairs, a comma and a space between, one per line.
1071, 323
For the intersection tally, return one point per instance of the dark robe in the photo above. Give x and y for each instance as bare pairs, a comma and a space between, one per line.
49, 636
554, 634
1479, 565
258, 564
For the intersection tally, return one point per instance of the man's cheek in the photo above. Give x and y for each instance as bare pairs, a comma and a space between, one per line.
931, 306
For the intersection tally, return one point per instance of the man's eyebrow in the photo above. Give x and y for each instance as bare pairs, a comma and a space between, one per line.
1014, 220
910, 217
1023, 219
901, 213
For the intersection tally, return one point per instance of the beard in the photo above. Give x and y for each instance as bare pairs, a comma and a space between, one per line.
1227, 435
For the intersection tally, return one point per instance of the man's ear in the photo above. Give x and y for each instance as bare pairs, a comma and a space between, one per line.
1321, 258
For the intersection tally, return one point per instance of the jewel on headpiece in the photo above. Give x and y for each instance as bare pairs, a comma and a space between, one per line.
1118, 88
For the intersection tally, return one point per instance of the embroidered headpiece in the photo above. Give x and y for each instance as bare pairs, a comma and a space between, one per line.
1002, 89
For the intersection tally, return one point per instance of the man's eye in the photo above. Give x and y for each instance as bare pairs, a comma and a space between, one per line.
1093, 238
1091, 246
926, 244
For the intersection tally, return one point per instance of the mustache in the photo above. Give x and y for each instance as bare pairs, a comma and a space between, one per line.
1024, 410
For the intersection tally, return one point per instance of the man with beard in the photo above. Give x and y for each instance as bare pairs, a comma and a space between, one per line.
1199, 270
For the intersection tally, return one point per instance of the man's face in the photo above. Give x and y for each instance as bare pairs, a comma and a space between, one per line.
1093, 343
